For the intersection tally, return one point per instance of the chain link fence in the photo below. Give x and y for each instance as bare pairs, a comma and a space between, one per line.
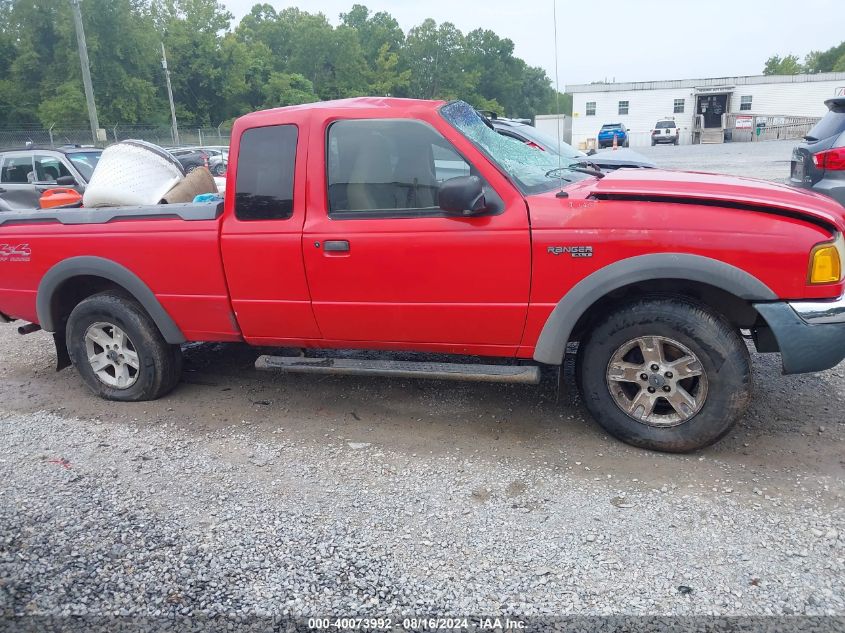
60, 135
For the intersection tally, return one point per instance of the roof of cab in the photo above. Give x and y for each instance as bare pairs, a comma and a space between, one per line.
407, 106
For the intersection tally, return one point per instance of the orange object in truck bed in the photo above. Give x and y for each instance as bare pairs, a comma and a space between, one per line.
59, 197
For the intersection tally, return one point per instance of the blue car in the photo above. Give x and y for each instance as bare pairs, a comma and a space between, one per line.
609, 130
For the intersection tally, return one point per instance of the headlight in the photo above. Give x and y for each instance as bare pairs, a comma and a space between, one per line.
826, 262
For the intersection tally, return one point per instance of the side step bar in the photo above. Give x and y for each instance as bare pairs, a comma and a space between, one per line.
524, 374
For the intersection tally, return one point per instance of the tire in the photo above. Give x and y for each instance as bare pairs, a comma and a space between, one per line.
719, 393
219, 169
142, 365
653, 142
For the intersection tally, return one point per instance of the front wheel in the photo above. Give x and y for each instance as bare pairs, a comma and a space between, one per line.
118, 350
665, 374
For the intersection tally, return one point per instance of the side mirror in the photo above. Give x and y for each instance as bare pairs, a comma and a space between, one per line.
66, 181
463, 195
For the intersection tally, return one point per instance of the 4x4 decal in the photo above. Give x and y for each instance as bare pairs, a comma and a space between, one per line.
15, 252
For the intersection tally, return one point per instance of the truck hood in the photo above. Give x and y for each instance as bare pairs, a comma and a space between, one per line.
713, 189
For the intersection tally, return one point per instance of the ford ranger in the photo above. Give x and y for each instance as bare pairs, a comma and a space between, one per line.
402, 225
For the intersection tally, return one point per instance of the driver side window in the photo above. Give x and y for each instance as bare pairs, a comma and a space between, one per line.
388, 168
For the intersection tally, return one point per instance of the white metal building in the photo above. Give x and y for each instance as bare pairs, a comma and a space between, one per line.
556, 126
706, 110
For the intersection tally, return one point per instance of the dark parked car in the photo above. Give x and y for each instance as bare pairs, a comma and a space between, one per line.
25, 174
609, 130
818, 163
191, 157
528, 134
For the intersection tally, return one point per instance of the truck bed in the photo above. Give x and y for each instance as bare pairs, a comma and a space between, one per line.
174, 250
188, 212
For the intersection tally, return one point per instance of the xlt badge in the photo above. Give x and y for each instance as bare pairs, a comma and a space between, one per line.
574, 251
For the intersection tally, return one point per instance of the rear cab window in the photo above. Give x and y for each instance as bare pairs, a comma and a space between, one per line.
266, 164
661, 125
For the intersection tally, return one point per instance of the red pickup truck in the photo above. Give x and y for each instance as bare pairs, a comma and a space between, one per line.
390, 224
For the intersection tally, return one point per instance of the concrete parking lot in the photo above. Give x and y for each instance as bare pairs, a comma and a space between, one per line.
247, 495
768, 159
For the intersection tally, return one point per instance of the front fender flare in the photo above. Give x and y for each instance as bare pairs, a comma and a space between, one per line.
114, 272
551, 345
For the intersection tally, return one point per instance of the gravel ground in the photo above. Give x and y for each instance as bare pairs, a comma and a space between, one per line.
244, 495
248, 495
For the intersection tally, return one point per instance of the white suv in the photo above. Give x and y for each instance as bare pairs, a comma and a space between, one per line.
665, 132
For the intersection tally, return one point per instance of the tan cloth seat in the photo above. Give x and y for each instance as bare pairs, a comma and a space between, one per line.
370, 173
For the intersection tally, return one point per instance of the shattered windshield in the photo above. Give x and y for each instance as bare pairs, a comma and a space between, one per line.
525, 165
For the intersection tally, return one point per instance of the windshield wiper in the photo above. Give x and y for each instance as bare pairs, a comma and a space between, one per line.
578, 168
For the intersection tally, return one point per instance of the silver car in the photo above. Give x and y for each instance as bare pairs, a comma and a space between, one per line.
25, 174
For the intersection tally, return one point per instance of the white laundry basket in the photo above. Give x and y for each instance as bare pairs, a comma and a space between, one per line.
132, 173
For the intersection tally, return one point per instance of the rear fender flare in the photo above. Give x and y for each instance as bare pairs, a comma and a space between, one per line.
112, 271
551, 345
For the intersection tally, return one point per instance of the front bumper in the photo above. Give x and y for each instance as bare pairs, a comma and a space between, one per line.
809, 334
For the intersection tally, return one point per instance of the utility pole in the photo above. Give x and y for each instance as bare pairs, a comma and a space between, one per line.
86, 69
175, 128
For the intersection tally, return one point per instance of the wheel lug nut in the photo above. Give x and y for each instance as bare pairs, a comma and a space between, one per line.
651, 390
667, 388
669, 374
654, 368
644, 376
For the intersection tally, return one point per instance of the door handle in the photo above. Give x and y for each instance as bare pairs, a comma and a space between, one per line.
336, 246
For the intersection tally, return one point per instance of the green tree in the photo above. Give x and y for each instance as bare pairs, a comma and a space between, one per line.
375, 31
67, 105
435, 56
789, 65
272, 57
387, 79
190, 30
283, 89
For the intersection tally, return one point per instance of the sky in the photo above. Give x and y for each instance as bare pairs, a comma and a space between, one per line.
625, 40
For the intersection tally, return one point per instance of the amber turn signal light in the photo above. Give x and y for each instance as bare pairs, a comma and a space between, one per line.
825, 266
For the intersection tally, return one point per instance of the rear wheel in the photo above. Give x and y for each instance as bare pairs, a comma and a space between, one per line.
119, 351
665, 374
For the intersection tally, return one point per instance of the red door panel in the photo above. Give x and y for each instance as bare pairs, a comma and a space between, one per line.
438, 280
